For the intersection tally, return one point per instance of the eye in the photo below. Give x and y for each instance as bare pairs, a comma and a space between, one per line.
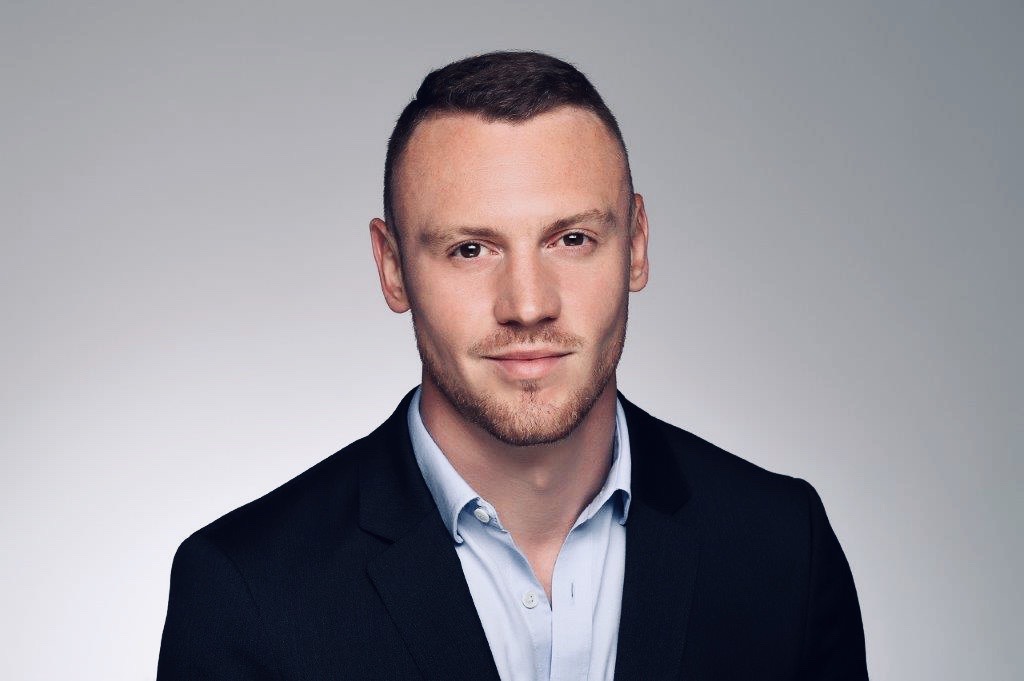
575, 239
468, 250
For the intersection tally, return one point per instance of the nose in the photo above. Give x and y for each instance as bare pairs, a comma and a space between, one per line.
527, 293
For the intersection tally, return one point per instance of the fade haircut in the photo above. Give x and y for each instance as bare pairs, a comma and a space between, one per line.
498, 86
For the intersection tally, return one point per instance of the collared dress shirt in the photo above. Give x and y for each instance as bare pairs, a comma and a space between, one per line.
571, 638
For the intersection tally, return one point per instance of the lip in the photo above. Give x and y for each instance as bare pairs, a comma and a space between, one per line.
528, 364
531, 354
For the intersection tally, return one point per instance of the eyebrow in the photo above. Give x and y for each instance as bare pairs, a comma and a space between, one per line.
606, 217
433, 238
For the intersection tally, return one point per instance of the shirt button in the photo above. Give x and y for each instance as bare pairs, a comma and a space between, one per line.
530, 599
482, 515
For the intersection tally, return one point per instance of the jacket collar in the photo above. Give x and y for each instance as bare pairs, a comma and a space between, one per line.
657, 479
392, 494
662, 556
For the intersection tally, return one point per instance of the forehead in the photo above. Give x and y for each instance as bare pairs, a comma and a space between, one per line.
461, 168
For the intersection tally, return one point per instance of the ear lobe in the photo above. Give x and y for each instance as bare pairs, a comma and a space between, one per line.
389, 265
639, 266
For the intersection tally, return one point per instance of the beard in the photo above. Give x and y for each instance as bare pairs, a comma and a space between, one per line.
525, 420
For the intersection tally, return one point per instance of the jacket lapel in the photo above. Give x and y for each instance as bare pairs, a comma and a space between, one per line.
419, 577
662, 557
420, 580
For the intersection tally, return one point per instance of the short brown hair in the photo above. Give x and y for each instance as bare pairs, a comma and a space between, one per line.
506, 86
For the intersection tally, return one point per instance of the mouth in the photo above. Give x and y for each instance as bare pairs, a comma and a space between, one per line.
527, 364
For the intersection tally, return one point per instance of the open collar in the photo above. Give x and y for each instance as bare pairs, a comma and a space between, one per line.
451, 493
420, 569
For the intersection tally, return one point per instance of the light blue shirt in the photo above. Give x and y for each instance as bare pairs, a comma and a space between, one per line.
574, 636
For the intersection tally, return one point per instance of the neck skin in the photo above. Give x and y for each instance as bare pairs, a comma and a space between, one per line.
539, 491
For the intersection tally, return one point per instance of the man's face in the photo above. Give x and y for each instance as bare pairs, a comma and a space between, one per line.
517, 256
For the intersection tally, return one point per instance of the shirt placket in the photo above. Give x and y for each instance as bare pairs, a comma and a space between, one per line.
573, 590
526, 595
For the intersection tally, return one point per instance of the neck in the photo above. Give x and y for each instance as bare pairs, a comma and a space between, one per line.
538, 490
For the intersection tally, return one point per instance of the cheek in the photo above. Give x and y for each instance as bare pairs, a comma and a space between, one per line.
606, 317
596, 297
435, 284
449, 313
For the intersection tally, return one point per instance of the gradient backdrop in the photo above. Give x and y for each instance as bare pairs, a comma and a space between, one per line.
191, 313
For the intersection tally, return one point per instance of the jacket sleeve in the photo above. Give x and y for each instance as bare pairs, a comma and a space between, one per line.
833, 645
213, 628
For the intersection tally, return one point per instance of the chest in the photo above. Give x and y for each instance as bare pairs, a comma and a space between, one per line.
565, 628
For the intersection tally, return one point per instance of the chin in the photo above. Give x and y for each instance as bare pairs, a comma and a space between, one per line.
525, 413
538, 422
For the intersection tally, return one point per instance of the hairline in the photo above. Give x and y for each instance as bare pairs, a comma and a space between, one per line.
437, 113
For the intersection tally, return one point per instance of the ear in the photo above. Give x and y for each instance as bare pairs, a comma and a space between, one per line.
389, 265
639, 267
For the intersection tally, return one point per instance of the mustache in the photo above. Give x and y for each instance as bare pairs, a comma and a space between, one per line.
509, 337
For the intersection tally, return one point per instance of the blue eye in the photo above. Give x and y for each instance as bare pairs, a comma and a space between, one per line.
574, 239
470, 250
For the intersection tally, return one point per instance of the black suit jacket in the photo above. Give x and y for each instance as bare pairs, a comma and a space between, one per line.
347, 572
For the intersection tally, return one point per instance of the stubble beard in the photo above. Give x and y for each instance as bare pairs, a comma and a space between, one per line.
524, 421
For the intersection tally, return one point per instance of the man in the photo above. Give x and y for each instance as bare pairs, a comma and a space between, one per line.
516, 518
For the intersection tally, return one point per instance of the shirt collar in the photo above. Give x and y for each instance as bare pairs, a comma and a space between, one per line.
452, 493
617, 482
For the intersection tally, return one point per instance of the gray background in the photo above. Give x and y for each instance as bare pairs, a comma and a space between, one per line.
191, 314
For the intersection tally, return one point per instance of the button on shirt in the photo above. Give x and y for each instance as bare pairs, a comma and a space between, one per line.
572, 637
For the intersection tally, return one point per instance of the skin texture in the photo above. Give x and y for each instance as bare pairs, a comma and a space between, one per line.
520, 244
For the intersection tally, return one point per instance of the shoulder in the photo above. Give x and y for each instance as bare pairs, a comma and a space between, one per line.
316, 508
725, 487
